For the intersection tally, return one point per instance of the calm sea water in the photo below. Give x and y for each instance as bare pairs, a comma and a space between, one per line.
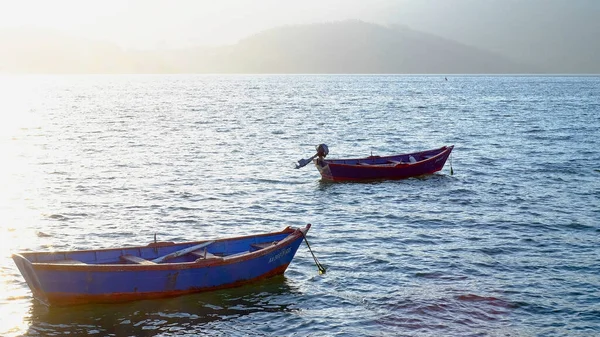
506, 246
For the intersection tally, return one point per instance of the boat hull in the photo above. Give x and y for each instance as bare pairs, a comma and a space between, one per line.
55, 283
380, 168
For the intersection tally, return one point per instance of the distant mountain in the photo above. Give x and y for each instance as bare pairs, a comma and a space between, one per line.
559, 36
341, 47
356, 47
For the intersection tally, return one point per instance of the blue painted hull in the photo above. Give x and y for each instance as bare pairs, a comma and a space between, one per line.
390, 167
66, 278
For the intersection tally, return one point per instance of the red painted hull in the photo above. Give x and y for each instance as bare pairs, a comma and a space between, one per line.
395, 167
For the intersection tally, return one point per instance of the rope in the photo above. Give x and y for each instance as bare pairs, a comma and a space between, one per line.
451, 170
322, 269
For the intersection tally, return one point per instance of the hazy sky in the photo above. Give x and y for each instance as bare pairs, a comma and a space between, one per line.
172, 23
559, 34
175, 23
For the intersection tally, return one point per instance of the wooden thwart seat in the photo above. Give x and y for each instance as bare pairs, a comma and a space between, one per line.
203, 254
136, 259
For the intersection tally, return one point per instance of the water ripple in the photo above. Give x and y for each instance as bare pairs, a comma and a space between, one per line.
504, 246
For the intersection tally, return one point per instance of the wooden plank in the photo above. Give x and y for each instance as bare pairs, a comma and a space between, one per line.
203, 254
136, 259
67, 261
259, 246
181, 252
237, 254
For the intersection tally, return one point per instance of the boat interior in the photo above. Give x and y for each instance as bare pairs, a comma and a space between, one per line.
391, 161
159, 252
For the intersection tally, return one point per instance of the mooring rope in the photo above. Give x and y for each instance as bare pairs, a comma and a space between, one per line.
322, 269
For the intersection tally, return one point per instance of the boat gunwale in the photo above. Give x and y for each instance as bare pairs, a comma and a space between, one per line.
444, 150
294, 234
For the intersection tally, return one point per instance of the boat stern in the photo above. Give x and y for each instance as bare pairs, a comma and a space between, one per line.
323, 168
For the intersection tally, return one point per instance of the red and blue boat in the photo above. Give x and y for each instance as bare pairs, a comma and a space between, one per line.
399, 166
160, 269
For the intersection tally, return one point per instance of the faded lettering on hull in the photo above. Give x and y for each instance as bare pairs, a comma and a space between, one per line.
279, 255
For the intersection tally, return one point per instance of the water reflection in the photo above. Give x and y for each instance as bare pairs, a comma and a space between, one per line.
184, 314
436, 178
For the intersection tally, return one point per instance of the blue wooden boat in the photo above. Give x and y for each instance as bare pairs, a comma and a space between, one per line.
399, 166
160, 269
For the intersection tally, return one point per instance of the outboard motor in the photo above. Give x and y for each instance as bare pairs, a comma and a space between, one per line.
322, 150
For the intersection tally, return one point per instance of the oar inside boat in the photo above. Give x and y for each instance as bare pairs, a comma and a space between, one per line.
181, 252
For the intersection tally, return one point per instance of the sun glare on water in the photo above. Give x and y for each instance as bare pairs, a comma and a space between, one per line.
18, 178
19, 200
